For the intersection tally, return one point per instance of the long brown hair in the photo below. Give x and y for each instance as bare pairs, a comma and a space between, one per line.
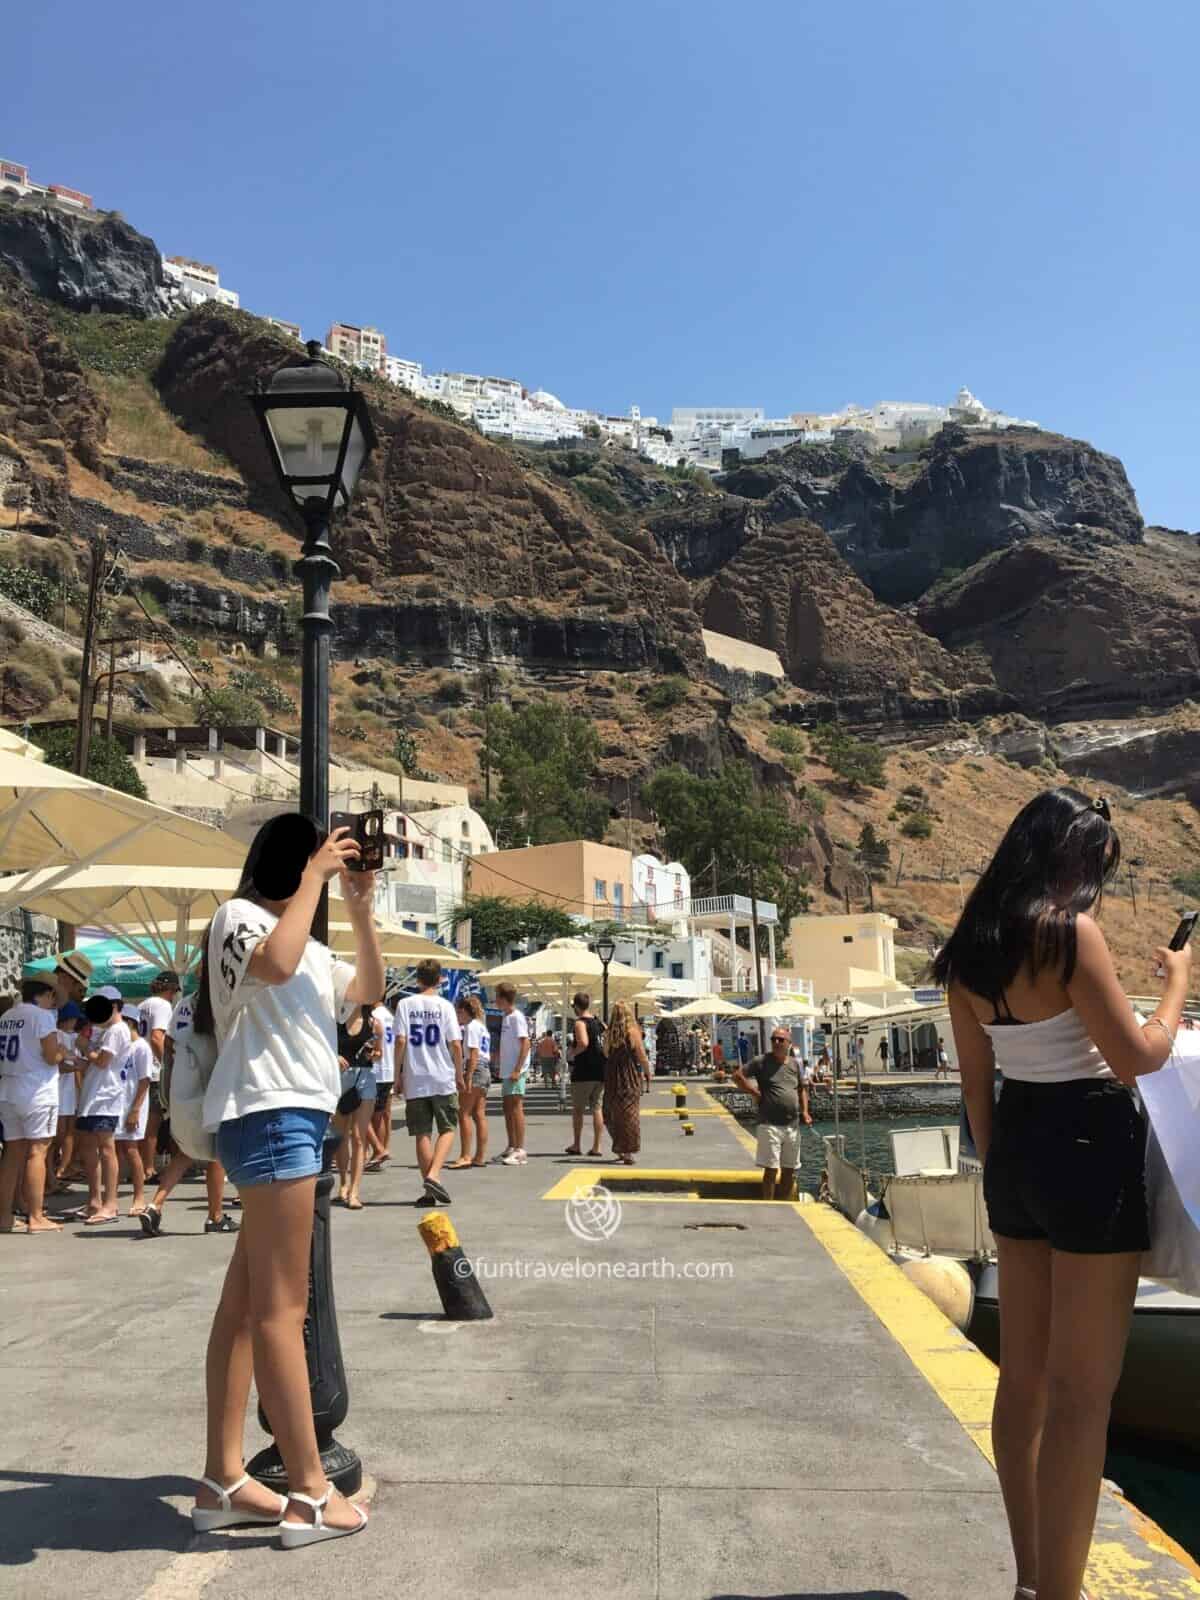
622, 1027
472, 1005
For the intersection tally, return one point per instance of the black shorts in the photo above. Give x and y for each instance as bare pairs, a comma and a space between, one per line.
1067, 1163
383, 1093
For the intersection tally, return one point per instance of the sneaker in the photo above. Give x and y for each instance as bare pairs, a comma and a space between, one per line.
515, 1158
151, 1221
435, 1189
505, 1153
226, 1225
428, 1200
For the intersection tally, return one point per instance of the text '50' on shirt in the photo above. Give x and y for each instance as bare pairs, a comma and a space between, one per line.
25, 1080
277, 1042
429, 1026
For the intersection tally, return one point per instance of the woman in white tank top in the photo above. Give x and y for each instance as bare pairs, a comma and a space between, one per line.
1034, 994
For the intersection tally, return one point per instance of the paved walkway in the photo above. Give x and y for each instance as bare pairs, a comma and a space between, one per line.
668, 1432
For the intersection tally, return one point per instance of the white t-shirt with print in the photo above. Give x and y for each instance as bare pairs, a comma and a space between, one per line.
429, 1026
277, 1041
155, 1013
513, 1029
103, 1092
26, 1082
138, 1065
478, 1038
385, 1068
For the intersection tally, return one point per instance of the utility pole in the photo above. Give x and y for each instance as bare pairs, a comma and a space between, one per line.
629, 814
758, 979
112, 687
1132, 890
83, 728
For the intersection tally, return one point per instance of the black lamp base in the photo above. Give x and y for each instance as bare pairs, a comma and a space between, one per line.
339, 1464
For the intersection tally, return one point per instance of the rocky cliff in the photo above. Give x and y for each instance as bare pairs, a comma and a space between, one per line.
48, 411
902, 523
1078, 629
443, 513
86, 262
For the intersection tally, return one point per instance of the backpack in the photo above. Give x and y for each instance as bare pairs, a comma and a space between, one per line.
184, 1085
594, 1055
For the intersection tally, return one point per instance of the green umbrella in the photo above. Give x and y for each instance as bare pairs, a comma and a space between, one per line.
112, 962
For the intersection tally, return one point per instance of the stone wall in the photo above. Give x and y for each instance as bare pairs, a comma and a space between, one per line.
162, 485
19, 944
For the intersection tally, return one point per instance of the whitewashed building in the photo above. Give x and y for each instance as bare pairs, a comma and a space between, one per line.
195, 282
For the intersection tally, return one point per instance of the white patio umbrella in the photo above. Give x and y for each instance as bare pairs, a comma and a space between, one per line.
783, 1006
52, 818
163, 907
708, 1005
554, 974
401, 947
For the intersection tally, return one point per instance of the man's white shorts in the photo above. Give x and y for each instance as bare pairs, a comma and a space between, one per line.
20, 1124
778, 1146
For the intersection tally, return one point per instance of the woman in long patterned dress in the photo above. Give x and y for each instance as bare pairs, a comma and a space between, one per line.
626, 1079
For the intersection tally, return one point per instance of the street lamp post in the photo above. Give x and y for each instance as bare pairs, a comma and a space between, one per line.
829, 1009
606, 949
318, 432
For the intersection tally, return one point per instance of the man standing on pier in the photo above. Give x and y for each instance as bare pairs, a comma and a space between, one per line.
775, 1083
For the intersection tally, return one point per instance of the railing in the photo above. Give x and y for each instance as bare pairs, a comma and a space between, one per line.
737, 906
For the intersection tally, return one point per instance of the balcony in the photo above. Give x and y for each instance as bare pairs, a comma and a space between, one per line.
719, 910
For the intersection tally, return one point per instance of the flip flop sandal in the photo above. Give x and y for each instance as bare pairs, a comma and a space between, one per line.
99, 1222
226, 1515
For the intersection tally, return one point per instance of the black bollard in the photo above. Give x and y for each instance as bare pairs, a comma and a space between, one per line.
459, 1290
326, 1370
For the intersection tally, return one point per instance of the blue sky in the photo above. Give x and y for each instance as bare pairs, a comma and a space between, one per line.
786, 204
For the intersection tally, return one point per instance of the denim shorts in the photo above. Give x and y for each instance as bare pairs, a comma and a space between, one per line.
96, 1124
272, 1146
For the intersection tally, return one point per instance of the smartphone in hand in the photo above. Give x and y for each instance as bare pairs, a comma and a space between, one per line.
366, 829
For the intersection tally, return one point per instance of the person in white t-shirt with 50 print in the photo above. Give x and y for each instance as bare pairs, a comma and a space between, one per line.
130, 1136
271, 1002
429, 1050
514, 1062
383, 1021
30, 1056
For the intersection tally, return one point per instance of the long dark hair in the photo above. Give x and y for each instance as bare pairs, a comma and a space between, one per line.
1059, 852
270, 872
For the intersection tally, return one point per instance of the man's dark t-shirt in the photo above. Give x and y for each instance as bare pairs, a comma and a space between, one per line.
779, 1083
588, 1066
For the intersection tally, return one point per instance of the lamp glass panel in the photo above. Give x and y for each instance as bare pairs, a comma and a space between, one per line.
356, 453
308, 439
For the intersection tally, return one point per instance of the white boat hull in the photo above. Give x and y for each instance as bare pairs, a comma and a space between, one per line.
1158, 1396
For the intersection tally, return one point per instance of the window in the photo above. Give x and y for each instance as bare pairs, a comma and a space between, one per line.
466, 830
618, 894
409, 927
659, 961
600, 889
677, 969
431, 930
447, 850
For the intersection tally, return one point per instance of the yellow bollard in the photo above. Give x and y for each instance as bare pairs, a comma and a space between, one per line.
689, 1129
462, 1298
679, 1090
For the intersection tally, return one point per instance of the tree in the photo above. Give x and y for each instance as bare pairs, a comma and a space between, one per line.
497, 922
723, 826
107, 761
544, 757
874, 853
227, 706
857, 762
404, 751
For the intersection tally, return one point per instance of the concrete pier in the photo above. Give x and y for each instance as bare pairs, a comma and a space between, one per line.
701, 1397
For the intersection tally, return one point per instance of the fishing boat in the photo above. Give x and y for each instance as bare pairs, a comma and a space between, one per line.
933, 1207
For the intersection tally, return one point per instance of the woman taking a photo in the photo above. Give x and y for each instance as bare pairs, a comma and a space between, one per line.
1034, 993
272, 1001
626, 1079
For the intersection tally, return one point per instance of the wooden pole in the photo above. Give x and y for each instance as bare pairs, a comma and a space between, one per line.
83, 727
758, 979
112, 687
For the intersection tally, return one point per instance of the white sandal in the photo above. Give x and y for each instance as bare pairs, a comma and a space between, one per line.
226, 1515
294, 1535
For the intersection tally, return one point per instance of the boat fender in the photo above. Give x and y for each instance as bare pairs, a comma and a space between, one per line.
947, 1283
876, 1224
